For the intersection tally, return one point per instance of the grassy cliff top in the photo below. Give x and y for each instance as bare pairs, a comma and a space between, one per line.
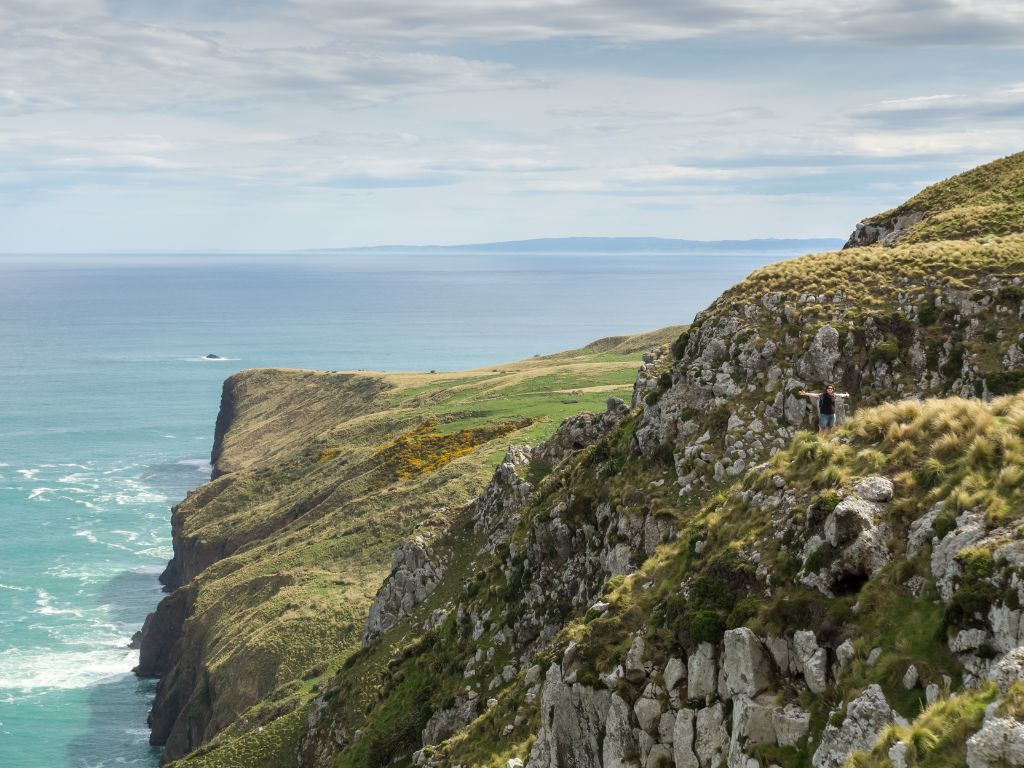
861, 277
987, 200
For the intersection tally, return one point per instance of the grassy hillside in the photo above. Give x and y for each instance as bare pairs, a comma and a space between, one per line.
325, 474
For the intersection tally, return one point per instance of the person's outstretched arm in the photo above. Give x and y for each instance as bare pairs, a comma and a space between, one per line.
803, 393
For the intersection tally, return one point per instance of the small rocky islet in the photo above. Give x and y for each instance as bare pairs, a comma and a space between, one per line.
686, 576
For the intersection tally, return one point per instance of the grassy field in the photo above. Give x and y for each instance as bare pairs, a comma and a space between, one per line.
302, 529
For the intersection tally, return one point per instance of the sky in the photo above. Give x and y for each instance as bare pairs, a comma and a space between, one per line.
190, 125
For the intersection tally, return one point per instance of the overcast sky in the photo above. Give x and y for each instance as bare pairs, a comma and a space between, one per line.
263, 124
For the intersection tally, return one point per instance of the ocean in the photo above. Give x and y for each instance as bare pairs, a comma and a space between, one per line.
107, 408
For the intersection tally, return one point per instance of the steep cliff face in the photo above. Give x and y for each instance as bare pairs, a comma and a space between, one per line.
707, 582
320, 477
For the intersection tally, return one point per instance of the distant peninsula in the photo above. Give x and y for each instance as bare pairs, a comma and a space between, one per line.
607, 245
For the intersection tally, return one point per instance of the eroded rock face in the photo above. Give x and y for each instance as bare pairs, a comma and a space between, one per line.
745, 666
573, 718
415, 573
820, 362
700, 679
847, 521
683, 740
1008, 670
577, 432
496, 510
445, 722
1000, 742
620, 747
416, 569
888, 232
647, 377
970, 529
866, 716
712, 739
791, 724
874, 488
811, 660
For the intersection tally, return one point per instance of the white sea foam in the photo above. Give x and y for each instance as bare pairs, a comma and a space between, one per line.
201, 465
36, 669
28, 474
85, 575
37, 493
88, 536
13, 588
163, 552
142, 497
46, 607
115, 470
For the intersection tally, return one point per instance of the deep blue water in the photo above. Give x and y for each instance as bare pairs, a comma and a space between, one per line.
107, 411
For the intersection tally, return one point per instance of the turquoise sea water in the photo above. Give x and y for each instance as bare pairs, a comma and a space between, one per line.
107, 410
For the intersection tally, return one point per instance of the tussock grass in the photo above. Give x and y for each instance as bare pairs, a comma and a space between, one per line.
966, 452
936, 738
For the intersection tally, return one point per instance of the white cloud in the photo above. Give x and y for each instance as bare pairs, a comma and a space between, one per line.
103, 64
1005, 102
350, 121
914, 21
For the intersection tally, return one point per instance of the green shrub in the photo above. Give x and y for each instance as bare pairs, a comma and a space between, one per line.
1010, 294
665, 454
976, 593
955, 363
886, 351
1005, 382
679, 345
705, 626
537, 470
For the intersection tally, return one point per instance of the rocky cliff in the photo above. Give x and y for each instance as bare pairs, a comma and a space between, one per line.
319, 477
699, 579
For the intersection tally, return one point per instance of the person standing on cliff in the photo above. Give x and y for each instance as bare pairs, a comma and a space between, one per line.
826, 407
